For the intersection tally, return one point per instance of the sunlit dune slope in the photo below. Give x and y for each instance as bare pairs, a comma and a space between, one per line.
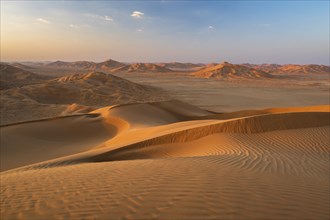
227, 70
169, 160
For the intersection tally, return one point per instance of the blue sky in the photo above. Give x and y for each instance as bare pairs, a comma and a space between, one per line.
165, 31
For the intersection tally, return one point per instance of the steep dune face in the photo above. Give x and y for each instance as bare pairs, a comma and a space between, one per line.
143, 67
11, 77
94, 89
138, 115
169, 160
230, 71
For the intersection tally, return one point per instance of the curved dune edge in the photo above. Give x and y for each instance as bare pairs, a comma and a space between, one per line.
250, 125
290, 182
155, 130
271, 165
113, 150
246, 113
27, 143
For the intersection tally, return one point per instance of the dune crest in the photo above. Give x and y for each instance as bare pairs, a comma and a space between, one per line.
142, 67
227, 70
55, 97
200, 162
11, 76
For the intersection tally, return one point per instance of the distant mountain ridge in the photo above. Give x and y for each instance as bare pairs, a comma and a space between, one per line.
113, 66
86, 64
11, 76
181, 66
227, 70
110, 66
143, 67
290, 68
312, 68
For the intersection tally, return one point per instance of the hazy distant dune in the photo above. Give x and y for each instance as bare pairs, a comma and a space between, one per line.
142, 67
227, 70
94, 89
306, 69
11, 76
270, 68
90, 90
291, 68
177, 66
109, 65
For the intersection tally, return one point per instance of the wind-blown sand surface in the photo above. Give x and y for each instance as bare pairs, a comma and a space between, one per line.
168, 160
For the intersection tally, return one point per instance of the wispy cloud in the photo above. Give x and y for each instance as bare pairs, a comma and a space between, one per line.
107, 18
140, 29
42, 20
137, 14
210, 27
73, 26
101, 17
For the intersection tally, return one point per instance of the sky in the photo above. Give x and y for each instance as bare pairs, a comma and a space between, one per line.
164, 31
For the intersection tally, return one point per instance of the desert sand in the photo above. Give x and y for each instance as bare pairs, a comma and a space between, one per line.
77, 93
83, 144
168, 160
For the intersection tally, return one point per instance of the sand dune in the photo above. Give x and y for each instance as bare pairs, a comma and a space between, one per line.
62, 96
110, 66
107, 65
176, 66
76, 65
168, 160
227, 70
269, 68
306, 69
291, 68
142, 67
11, 76
49, 139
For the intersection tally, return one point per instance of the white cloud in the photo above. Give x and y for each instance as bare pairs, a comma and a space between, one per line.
139, 30
137, 14
210, 27
41, 20
105, 18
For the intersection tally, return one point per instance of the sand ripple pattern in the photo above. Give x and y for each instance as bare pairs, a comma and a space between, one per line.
269, 166
175, 188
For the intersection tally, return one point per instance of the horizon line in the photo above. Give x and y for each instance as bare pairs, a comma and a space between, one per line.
155, 62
